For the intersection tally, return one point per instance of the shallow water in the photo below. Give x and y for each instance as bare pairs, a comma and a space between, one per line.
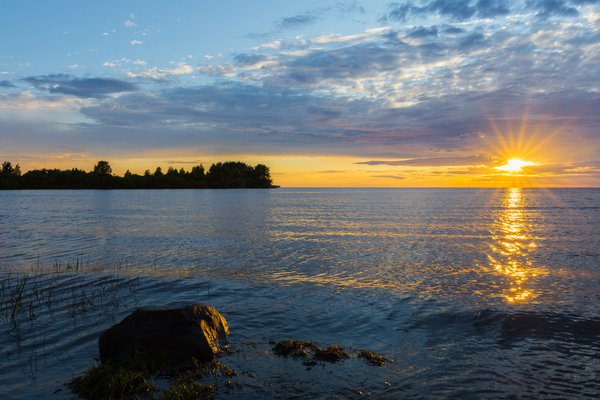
473, 293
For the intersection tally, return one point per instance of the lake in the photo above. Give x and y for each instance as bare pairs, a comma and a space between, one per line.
471, 293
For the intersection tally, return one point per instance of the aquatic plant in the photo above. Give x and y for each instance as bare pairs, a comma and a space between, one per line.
332, 354
294, 348
33, 302
372, 358
187, 389
311, 353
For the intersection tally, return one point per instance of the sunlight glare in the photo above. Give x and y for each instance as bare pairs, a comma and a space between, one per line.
515, 165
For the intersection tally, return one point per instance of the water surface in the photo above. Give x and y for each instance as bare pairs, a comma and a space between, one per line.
473, 293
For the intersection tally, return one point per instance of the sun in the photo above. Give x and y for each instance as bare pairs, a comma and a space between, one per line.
515, 165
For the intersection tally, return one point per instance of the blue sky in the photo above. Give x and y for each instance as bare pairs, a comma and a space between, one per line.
377, 93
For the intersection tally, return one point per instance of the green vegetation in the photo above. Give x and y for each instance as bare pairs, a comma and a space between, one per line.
119, 380
111, 381
229, 174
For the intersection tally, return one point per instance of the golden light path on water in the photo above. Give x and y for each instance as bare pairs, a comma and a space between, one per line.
513, 246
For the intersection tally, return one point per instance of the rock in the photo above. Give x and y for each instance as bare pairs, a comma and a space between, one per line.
176, 336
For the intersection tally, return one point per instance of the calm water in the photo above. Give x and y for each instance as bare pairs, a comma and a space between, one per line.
472, 293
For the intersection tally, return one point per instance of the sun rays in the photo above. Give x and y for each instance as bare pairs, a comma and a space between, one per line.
515, 165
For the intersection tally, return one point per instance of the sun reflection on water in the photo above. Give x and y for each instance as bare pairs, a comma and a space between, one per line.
512, 247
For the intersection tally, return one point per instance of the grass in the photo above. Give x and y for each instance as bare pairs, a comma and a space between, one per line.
149, 376
115, 380
111, 381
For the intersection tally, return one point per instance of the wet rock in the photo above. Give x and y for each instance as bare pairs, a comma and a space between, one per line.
177, 336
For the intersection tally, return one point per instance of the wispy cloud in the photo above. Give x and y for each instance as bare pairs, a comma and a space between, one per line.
434, 161
130, 22
399, 177
7, 84
80, 87
158, 73
299, 20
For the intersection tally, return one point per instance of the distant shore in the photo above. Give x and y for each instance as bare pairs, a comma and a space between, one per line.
221, 175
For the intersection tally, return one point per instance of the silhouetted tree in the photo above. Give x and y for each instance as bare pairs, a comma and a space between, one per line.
261, 177
229, 174
172, 172
7, 168
102, 168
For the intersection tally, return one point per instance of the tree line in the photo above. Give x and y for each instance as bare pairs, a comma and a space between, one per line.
230, 174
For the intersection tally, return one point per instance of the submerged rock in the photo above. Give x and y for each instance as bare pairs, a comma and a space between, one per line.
176, 336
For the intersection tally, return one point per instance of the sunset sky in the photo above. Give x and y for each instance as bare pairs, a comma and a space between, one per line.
355, 93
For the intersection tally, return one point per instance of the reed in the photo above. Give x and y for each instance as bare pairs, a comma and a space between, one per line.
32, 301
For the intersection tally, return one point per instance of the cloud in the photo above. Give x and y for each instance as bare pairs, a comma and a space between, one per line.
458, 10
452, 30
352, 61
350, 7
158, 73
462, 10
249, 59
400, 177
299, 20
7, 84
80, 87
433, 162
472, 40
548, 8
130, 22
136, 42
313, 15
421, 31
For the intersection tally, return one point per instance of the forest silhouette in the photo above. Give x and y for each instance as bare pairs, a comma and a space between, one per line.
221, 175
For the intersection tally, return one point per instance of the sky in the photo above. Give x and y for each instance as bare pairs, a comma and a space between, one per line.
428, 93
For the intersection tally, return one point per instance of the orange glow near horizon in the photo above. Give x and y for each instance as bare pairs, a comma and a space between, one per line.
509, 154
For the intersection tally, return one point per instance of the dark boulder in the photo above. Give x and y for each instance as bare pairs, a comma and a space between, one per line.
177, 336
